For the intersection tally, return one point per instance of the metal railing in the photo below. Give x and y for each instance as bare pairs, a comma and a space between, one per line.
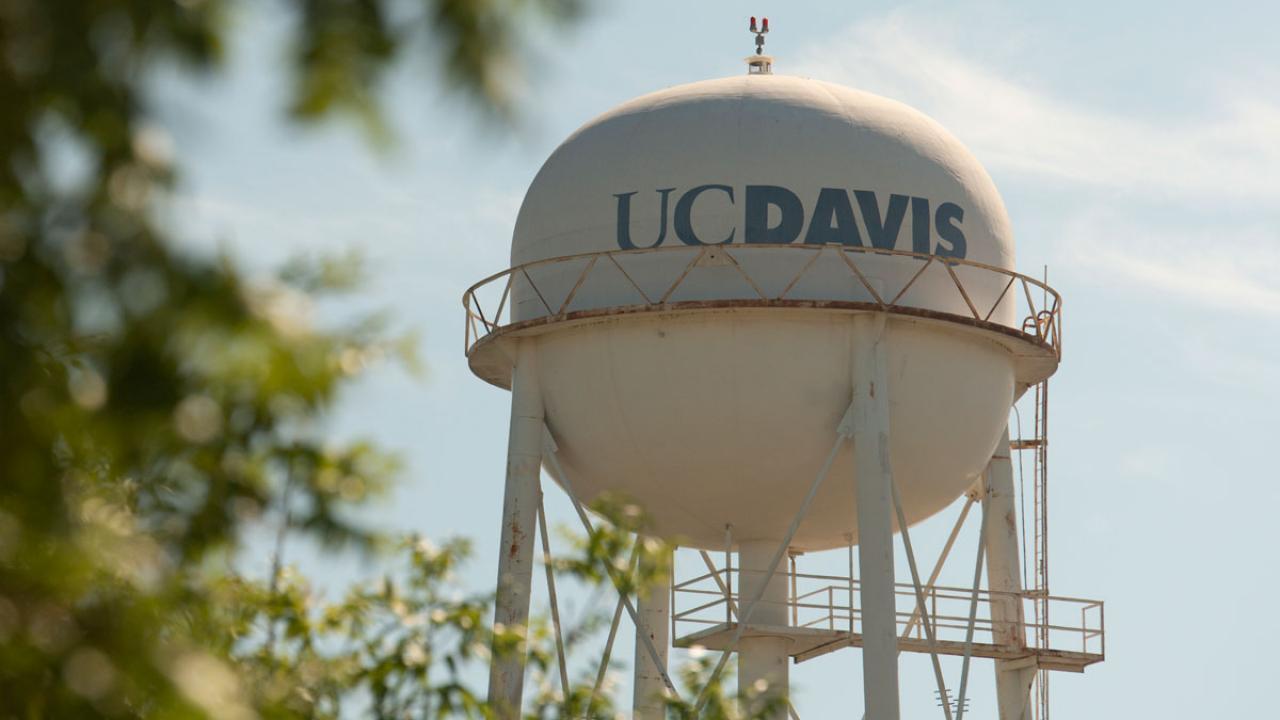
489, 302
829, 602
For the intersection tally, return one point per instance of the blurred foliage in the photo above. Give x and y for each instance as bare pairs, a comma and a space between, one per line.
345, 48
415, 644
156, 406
615, 552
400, 648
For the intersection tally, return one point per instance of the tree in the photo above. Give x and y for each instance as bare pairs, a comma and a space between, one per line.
154, 405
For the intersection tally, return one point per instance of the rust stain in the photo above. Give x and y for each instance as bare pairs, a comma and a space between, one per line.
516, 536
1050, 347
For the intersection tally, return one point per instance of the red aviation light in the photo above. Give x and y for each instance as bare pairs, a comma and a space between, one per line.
765, 27
753, 23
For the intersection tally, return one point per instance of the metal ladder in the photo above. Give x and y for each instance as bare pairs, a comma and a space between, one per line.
1041, 522
1038, 444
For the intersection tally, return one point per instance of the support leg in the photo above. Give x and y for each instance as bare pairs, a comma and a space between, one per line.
875, 512
843, 432
650, 689
763, 661
519, 512
1000, 533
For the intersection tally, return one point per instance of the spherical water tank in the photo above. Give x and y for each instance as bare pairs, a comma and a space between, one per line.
688, 265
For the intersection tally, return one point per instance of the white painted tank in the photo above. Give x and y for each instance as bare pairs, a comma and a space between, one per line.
719, 406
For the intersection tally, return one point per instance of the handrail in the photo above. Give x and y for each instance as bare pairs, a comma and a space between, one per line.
1041, 322
947, 610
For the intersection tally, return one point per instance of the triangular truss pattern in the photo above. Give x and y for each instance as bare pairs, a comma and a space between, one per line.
660, 279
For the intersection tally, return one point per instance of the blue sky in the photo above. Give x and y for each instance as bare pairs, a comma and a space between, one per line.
1137, 146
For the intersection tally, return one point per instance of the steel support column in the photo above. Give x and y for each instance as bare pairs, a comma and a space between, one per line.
844, 431
648, 701
763, 661
519, 513
1000, 533
873, 476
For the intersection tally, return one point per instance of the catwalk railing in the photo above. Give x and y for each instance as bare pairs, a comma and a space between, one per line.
1075, 636
621, 282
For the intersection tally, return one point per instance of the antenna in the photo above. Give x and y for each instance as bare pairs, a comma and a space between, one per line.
759, 64
760, 31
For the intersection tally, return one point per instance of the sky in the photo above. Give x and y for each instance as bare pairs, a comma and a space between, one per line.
1137, 148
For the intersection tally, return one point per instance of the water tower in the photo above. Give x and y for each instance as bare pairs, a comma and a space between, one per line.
780, 314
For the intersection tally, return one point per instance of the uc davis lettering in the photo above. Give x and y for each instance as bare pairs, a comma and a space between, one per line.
935, 228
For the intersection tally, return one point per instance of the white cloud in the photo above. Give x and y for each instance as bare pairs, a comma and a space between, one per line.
1234, 268
1152, 256
386, 225
1014, 126
1215, 292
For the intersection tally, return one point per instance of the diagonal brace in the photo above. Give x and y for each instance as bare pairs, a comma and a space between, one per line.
550, 454
843, 432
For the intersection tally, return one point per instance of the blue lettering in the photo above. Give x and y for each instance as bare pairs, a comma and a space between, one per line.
920, 225
832, 220
948, 219
759, 198
624, 219
684, 213
882, 231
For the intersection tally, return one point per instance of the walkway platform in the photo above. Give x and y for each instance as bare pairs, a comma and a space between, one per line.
809, 643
